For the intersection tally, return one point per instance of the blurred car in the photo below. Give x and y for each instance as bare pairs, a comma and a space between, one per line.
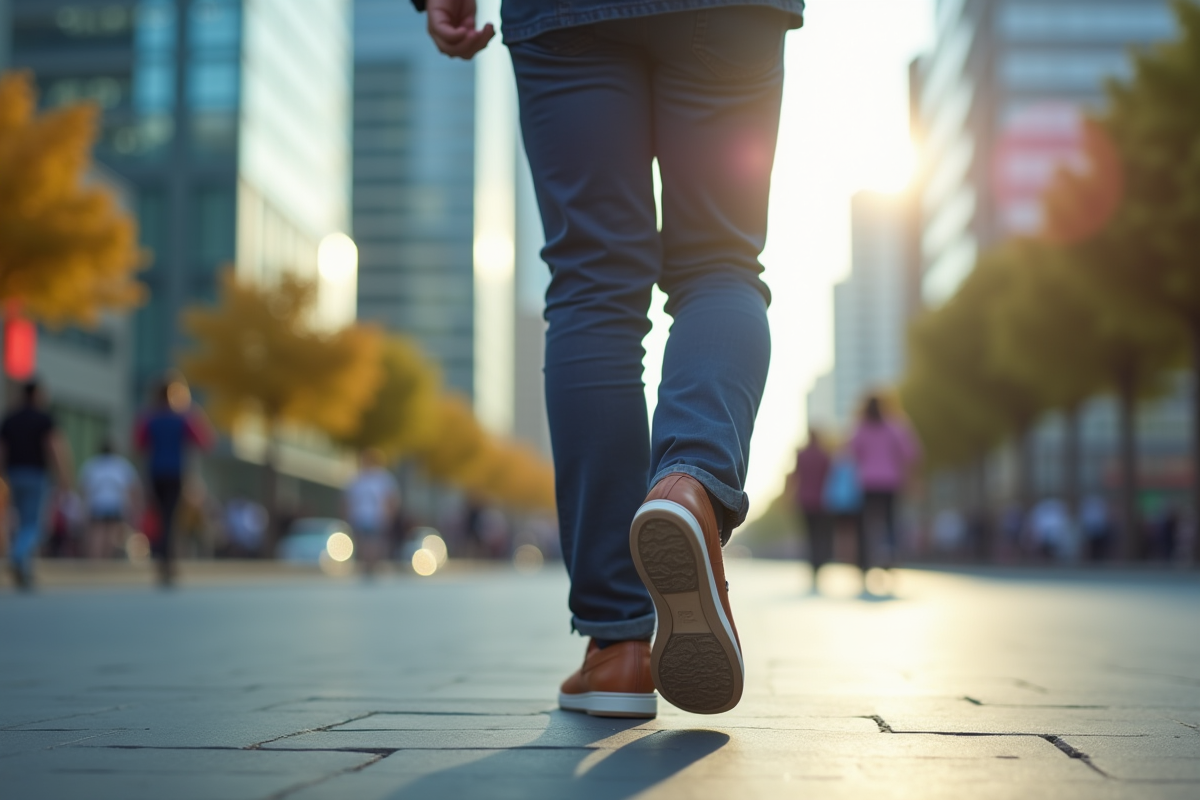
317, 540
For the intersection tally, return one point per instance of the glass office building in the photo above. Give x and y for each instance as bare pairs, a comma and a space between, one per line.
1005, 71
228, 119
229, 123
998, 64
414, 186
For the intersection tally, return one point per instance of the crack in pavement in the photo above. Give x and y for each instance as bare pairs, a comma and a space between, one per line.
375, 759
1061, 744
1074, 752
881, 722
318, 729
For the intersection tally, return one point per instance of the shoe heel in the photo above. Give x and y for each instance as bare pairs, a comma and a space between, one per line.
695, 661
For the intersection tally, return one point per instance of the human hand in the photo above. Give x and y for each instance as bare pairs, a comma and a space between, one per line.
452, 27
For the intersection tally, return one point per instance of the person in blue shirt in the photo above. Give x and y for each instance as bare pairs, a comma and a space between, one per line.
31, 451
605, 89
166, 433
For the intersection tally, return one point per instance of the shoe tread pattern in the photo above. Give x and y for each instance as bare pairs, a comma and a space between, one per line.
695, 673
668, 559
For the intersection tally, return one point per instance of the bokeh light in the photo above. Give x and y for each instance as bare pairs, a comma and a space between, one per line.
437, 545
528, 558
339, 546
424, 563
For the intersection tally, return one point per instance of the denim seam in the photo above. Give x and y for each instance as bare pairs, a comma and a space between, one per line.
621, 630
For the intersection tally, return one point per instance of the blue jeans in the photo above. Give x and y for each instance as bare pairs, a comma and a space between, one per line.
700, 91
27, 486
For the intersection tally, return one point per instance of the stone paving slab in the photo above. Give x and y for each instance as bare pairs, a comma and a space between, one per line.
981, 686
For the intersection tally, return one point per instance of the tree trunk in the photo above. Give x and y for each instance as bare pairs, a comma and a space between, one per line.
1195, 516
1071, 458
1127, 546
271, 488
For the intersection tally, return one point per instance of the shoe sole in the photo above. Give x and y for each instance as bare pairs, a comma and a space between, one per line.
695, 661
611, 704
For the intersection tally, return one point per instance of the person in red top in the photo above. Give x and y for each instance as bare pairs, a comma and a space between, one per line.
165, 433
812, 469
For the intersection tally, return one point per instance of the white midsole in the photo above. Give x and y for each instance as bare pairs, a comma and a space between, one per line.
656, 508
610, 702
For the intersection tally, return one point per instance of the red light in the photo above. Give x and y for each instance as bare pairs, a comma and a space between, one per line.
20, 348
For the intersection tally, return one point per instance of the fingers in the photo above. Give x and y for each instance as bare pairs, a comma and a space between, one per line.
458, 38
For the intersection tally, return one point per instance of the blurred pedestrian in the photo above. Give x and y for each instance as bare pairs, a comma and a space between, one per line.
884, 451
31, 450
605, 87
1095, 523
166, 433
112, 494
372, 500
1050, 529
812, 471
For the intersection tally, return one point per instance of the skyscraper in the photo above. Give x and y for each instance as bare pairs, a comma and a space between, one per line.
414, 185
227, 118
1005, 71
228, 121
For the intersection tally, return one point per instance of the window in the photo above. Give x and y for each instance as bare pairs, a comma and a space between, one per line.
1064, 71
1086, 22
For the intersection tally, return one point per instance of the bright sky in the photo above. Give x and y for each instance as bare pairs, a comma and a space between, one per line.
844, 128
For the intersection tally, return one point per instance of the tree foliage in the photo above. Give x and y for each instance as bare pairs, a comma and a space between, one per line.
68, 251
403, 409
259, 354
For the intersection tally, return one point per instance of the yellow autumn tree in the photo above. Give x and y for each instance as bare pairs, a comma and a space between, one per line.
68, 251
403, 409
259, 357
457, 450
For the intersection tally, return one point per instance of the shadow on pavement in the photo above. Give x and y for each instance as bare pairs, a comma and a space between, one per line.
545, 768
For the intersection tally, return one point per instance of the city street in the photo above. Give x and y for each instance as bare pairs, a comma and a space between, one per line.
979, 685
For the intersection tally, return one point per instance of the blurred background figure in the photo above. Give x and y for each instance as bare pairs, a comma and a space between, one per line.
166, 433
30, 448
112, 494
884, 450
1095, 525
812, 470
1050, 531
245, 528
372, 501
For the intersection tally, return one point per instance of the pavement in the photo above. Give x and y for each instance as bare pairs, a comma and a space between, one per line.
959, 685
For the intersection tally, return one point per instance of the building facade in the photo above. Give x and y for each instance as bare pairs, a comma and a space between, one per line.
871, 310
997, 106
996, 98
229, 122
414, 186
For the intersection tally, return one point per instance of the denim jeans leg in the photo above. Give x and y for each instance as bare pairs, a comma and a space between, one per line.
28, 487
716, 119
585, 106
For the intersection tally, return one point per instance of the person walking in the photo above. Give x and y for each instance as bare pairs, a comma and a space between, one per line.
884, 450
112, 494
371, 501
812, 471
30, 447
166, 433
605, 88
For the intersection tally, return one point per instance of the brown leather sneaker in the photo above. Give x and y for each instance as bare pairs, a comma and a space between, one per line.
613, 682
696, 661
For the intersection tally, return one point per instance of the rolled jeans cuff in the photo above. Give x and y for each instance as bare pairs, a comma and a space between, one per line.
620, 631
734, 500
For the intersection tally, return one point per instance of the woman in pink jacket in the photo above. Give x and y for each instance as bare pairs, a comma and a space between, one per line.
884, 450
